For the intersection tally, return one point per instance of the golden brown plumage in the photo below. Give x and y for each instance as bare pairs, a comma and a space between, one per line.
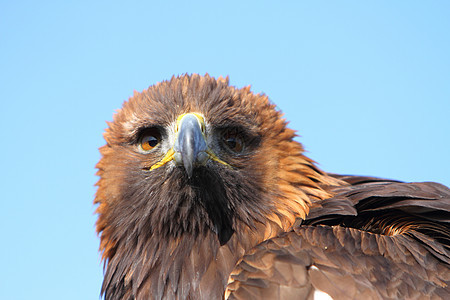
203, 193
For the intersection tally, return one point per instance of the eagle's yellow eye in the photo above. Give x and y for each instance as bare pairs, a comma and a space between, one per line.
150, 139
233, 140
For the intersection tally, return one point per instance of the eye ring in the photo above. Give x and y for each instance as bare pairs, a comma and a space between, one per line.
150, 139
233, 140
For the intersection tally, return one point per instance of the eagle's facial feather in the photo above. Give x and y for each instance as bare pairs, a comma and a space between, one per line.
149, 190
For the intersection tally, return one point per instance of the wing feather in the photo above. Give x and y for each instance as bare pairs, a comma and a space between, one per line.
375, 239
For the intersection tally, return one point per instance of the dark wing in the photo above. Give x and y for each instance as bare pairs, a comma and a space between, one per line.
375, 239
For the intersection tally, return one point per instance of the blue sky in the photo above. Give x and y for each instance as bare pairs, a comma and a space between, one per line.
366, 84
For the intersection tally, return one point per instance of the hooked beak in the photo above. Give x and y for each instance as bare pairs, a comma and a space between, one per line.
190, 149
190, 145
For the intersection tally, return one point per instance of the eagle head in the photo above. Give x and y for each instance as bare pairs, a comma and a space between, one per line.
194, 157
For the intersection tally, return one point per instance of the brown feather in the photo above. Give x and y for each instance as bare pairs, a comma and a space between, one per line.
273, 225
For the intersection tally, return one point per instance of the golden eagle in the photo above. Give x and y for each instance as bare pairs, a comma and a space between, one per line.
204, 194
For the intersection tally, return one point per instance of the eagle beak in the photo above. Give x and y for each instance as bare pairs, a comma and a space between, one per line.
190, 149
190, 145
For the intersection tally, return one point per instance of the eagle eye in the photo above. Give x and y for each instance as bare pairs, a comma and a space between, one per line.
150, 139
233, 140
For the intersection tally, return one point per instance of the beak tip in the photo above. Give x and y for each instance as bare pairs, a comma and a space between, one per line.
188, 167
189, 170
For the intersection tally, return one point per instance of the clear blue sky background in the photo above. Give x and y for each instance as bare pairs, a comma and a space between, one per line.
365, 83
